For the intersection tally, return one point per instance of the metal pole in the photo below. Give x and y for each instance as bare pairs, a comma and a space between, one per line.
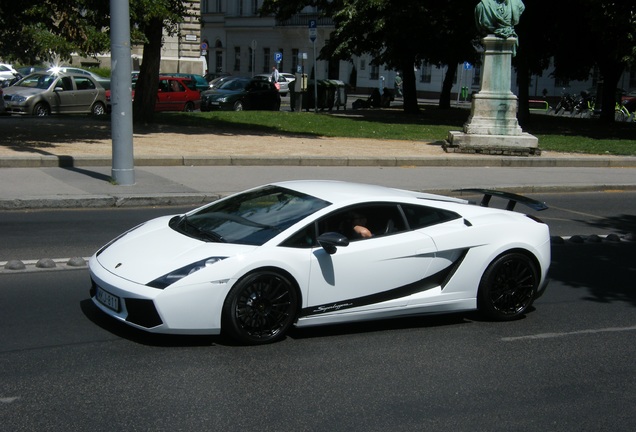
315, 81
123, 169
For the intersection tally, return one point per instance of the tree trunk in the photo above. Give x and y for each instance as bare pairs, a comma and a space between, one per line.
523, 109
611, 73
447, 86
409, 88
148, 81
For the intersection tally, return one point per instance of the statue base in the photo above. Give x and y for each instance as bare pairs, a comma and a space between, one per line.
492, 127
522, 144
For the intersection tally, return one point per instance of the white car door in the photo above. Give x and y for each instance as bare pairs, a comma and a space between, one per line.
370, 273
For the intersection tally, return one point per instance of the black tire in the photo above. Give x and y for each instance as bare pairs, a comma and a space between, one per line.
41, 109
238, 106
508, 287
189, 107
98, 109
260, 308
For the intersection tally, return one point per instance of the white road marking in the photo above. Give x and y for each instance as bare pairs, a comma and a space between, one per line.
8, 400
566, 334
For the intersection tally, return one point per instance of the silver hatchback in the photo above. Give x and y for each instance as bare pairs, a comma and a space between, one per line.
45, 93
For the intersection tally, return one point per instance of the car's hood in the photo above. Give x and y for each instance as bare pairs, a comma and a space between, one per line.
154, 249
22, 91
219, 93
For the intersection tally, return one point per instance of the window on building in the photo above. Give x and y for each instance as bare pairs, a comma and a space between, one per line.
426, 72
632, 77
476, 75
375, 72
239, 8
266, 60
237, 59
251, 60
363, 64
281, 65
254, 7
295, 60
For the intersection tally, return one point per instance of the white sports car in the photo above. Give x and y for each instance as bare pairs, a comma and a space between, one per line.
309, 253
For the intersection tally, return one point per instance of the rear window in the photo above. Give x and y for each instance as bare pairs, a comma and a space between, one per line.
422, 216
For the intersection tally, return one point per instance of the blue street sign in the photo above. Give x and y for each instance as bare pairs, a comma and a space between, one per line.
278, 57
313, 30
467, 66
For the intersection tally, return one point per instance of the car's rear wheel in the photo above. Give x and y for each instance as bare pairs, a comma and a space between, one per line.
508, 287
189, 107
98, 109
238, 106
260, 308
41, 109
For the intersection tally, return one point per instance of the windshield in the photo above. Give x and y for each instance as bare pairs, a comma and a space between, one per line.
251, 218
41, 81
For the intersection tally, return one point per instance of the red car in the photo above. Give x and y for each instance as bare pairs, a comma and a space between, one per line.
174, 94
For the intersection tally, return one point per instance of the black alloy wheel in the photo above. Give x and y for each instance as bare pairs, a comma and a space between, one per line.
508, 287
260, 308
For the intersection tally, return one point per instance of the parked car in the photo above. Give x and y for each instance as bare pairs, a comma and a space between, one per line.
2, 109
201, 83
282, 82
7, 73
242, 94
252, 265
173, 94
45, 93
104, 82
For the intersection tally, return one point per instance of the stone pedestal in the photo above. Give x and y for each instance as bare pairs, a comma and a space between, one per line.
492, 127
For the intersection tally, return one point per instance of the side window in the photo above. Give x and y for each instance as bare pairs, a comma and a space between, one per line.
164, 85
176, 86
66, 83
423, 216
364, 221
82, 83
303, 239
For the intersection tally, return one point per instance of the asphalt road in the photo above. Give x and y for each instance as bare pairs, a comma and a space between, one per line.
32, 235
567, 366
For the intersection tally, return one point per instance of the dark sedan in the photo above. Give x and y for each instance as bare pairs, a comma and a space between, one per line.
241, 94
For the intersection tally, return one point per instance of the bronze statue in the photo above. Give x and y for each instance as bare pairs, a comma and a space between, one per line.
498, 17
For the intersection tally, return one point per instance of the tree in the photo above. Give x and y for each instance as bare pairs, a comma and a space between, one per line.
596, 33
152, 17
32, 31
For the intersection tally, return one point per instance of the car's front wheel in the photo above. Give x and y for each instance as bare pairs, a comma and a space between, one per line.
508, 287
238, 106
41, 109
260, 308
189, 107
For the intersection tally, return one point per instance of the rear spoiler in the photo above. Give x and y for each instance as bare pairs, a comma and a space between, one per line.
512, 198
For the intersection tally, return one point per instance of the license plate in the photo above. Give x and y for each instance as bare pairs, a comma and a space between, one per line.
107, 299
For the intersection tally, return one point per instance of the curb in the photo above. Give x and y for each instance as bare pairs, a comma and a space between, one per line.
448, 161
199, 199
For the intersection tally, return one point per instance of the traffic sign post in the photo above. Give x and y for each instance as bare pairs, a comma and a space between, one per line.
278, 57
313, 35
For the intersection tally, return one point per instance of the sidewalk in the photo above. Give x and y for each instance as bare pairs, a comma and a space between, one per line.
54, 165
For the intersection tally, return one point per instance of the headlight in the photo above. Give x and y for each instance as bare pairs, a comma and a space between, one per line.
18, 98
178, 274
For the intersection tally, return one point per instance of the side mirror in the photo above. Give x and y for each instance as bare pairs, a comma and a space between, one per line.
329, 241
59, 89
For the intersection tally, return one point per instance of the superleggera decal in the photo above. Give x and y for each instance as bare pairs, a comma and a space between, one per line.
438, 279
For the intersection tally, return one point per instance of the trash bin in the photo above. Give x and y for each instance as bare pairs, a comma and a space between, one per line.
326, 90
